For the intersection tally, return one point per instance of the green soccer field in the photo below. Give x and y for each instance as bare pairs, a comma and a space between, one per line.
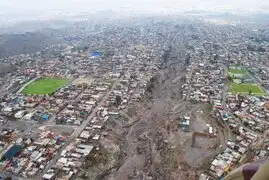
242, 71
244, 88
45, 86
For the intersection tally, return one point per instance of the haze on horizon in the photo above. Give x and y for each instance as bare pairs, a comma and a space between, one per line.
20, 6
14, 11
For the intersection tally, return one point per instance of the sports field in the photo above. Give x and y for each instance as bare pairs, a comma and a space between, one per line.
45, 86
242, 71
245, 88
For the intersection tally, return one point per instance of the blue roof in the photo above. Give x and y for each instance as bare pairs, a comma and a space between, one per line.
58, 138
12, 152
96, 54
45, 117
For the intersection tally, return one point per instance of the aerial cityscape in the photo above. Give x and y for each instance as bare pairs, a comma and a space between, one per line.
140, 97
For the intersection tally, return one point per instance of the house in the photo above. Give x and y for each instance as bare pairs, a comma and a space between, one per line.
20, 114
50, 176
84, 149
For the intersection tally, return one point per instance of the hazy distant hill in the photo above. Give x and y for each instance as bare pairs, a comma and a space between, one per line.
29, 36
13, 44
242, 17
6, 68
32, 26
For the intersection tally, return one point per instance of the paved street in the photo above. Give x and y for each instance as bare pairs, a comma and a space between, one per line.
78, 130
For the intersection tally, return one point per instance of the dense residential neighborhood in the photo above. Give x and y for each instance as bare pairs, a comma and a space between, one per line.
144, 99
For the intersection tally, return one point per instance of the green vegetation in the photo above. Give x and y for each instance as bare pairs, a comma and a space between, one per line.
239, 71
245, 88
45, 86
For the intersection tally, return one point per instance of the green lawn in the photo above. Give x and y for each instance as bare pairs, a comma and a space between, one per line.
45, 86
244, 88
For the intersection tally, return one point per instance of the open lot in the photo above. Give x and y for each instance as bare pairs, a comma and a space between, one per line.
45, 86
245, 88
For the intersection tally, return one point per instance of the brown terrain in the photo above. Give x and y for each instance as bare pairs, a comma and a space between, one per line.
146, 142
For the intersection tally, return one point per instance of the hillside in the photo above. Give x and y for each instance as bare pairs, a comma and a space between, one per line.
13, 44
